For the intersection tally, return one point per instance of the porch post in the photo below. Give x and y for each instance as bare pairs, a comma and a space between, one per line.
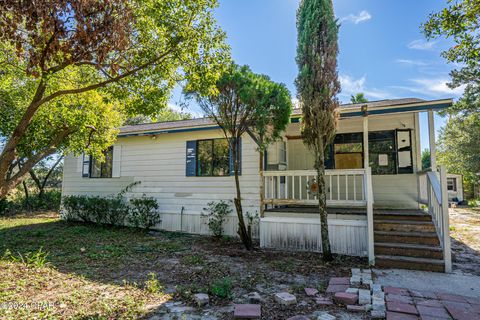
431, 134
366, 160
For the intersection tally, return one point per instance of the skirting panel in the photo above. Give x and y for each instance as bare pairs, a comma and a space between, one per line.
347, 237
196, 224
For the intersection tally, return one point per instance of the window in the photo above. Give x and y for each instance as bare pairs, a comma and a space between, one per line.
348, 151
213, 157
451, 184
102, 169
382, 152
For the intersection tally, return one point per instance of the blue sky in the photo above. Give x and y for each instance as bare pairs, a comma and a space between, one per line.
382, 50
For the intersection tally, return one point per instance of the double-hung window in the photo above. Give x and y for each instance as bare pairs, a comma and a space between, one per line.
213, 157
102, 169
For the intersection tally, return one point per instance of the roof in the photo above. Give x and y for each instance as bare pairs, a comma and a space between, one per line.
346, 111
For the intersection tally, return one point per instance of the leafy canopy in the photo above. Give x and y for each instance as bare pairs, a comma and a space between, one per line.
248, 103
460, 22
358, 98
73, 71
458, 146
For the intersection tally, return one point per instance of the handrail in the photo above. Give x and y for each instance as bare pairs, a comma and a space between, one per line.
438, 209
433, 179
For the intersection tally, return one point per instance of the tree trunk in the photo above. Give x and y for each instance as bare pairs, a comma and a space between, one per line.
322, 203
244, 234
27, 197
262, 187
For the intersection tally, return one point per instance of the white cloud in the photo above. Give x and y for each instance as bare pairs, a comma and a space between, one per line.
363, 16
411, 62
437, 86
432, 87
352, 86
421, 44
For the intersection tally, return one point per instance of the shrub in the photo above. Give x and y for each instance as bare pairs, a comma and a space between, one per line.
221, 288
16, 203
152, 285
140, 212
216, 214
143, 212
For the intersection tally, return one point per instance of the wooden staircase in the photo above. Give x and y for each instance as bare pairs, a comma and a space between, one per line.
407, 240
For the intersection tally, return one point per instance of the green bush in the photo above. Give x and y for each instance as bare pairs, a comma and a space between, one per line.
221, 288
139, 212
216, 214
48, 201
143, 212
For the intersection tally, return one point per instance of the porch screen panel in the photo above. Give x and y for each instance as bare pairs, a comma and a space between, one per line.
382, 152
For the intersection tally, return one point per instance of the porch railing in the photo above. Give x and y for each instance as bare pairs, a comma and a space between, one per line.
352, 187
433, 187
292, 187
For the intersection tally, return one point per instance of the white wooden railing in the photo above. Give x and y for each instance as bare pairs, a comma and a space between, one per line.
292, 187
351, 188
434, 189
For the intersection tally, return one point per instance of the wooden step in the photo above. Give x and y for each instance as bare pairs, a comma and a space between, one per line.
401, 262
422, 238
408, 250
404, 226
392, 215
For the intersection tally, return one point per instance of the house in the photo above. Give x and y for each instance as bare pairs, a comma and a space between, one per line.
455, 187
375, 183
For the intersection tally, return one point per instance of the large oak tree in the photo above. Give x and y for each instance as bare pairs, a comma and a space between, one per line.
72, 71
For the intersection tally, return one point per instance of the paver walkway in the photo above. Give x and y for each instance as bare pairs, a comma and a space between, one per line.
404, 304
465, 285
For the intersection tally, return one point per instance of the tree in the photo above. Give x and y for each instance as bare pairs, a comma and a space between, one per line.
358, 98
247, 103
317, 85
426, 163
458, 146
166, 114
73, 71
460, 21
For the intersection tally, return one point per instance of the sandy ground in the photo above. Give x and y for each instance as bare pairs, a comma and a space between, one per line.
465, 233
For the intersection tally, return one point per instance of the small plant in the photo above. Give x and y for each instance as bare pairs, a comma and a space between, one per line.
221, 288
35, 259
143, 212
193, 259
152, 285
216, 214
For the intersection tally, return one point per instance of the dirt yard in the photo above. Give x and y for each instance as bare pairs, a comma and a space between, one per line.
86, 271
465, 232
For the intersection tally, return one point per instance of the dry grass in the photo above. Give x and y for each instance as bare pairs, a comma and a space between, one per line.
465, 231
96, 272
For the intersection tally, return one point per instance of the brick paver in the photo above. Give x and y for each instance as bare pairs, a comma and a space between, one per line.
403, 304
400, 316
337, 280
401, 307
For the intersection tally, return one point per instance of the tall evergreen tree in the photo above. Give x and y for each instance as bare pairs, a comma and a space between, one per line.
317, 85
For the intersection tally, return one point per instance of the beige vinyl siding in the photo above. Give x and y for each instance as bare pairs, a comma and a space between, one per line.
159, 165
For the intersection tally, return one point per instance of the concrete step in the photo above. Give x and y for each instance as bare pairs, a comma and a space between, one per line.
408, 250
409, 215
404, 226
401, 262
421, 238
